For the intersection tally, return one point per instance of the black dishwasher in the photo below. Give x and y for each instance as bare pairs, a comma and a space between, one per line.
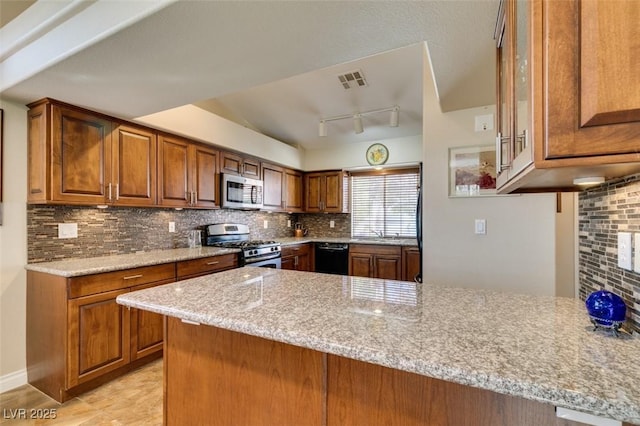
332, 258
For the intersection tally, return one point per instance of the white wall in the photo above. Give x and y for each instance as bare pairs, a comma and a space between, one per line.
401, 151
518, 253
13, 248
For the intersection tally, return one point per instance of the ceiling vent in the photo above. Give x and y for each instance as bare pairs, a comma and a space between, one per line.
352, 79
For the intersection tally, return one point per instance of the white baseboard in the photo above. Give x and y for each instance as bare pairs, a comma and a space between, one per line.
13, 380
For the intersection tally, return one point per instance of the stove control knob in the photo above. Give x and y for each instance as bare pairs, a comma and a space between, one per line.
254, 252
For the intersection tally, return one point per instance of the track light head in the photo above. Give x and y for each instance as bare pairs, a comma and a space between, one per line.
322, 129
357, 124
393, 120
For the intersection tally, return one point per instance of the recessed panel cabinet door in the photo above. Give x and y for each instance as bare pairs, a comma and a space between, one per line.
272, 177
173, 171
98, 336
81, 156
387, 267
293, 191
593, 78
205, 176
134, 166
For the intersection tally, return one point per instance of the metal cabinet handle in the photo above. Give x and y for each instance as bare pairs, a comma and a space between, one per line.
523, 138
117, 191
295, 248
195, 197
499, 165
132, 277
213, 263
187, 197
295, 261
109, 186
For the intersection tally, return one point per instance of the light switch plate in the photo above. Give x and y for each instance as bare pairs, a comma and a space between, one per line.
266, 224
172, 227
624, 250
481, 226
332, 224
67, 230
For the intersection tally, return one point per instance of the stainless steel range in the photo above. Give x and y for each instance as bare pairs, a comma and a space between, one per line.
253, 252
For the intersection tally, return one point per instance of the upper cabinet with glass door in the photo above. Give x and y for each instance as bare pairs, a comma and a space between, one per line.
568, 92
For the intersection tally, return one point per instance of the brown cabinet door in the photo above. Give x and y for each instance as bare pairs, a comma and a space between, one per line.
387, 267
410, 263
98, 336
147, 328
273, 181
230, 163
314, 185
593, 105
333, 192
293, 192
237, 164
173, 171
251, 168
205, 176
303, 262
361, 264
289, 263
133, 179
81, 156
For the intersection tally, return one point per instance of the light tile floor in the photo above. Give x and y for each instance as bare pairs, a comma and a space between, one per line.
133, 399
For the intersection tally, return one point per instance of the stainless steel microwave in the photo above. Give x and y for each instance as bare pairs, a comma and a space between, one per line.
241, 193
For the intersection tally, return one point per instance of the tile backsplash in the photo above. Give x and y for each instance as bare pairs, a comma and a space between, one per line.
121, 230
603, 212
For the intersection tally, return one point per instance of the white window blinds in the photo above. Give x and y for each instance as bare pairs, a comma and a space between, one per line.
384, 203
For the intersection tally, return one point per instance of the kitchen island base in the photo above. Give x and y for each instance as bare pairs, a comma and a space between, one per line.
221, 377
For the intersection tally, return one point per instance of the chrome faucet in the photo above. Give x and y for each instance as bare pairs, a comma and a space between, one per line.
378, 233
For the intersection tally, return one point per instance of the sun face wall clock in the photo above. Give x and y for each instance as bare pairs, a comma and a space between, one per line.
377, 154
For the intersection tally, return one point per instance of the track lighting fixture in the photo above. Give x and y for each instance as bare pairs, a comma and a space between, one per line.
357, 124
357, 119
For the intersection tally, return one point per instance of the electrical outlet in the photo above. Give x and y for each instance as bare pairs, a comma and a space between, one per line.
332, 224
172, 227
67, 230
481, 226
624, 250
266, 224
289, 223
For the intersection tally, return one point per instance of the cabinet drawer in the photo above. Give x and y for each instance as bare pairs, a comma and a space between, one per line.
189, 268
295, 250
374, 249
99, 283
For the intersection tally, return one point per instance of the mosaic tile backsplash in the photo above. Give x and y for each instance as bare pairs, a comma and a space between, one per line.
115, 230
603, 212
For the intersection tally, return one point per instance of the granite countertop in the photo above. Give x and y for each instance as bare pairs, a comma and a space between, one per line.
378, 241
96, 265
540, 348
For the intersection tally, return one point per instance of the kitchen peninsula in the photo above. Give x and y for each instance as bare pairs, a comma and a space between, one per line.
264, 346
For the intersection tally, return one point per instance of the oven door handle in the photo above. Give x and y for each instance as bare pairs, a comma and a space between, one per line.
262, 258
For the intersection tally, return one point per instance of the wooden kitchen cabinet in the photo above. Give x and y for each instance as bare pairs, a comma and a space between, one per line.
274, 187
77, 335
296, 257
80, 157
187, 173
410, 263
98, 336
567, 107
375, 261
327, 192
207, 265
293, 191
282, 188
237, 164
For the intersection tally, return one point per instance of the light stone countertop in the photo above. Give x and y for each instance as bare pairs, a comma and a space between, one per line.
539, 348
378, 241
96, 265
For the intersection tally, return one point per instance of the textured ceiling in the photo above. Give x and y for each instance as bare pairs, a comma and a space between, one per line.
222, 53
